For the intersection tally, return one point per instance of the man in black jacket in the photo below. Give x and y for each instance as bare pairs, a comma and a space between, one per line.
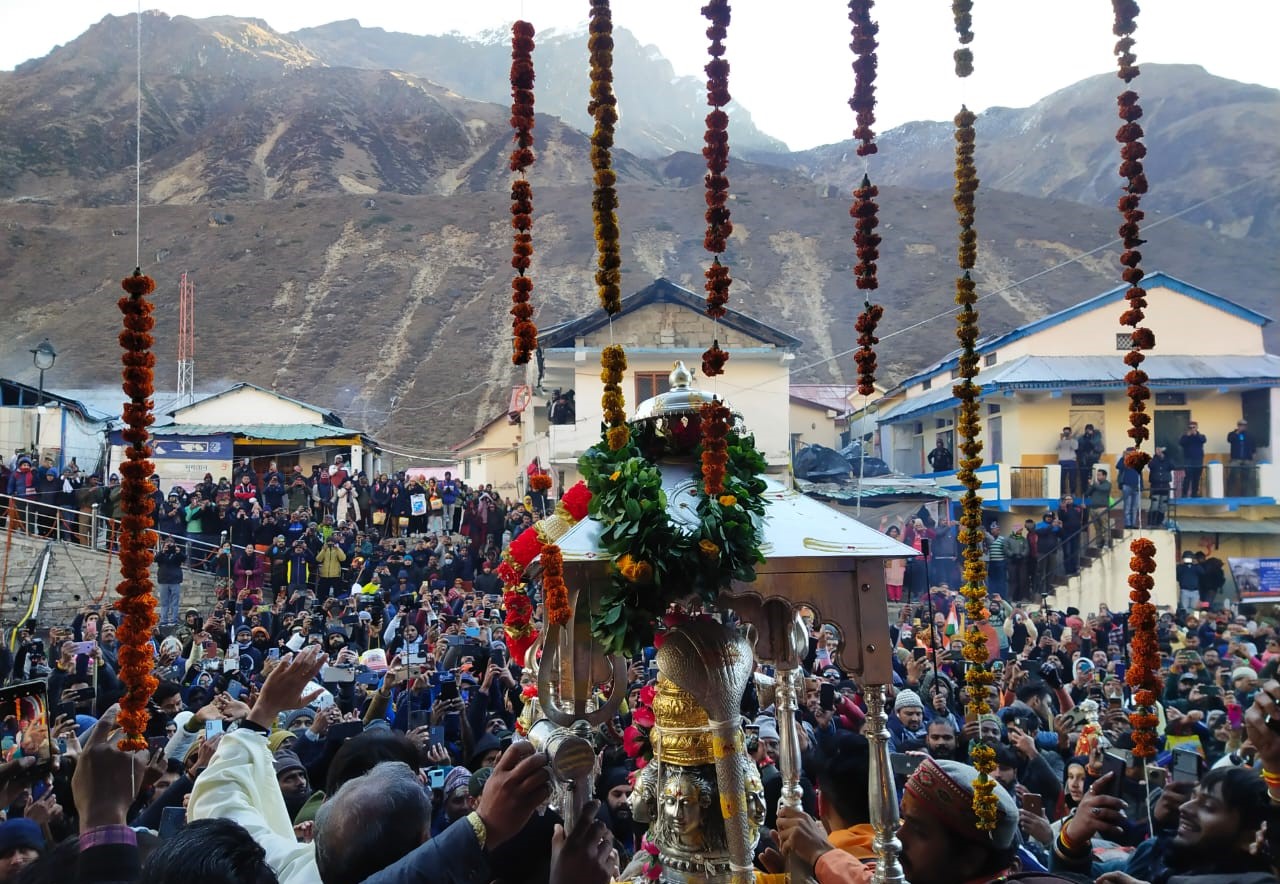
169, 578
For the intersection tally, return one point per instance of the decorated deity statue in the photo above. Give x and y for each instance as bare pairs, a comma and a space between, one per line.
701, 796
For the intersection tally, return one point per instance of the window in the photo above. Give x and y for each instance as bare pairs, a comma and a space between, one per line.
955, 374
1171, 399
927, 385
466, 469
989, 360
1086, 399
993, 408
651, 383
1124, 340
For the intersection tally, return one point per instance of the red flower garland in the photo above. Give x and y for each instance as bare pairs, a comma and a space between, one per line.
1144, 652
540, 482
865, 209
716, 152
524, 334
603, 107
714, 419
554, 591
137, 539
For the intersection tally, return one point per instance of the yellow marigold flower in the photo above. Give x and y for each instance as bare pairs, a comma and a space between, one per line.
708, 549
643, 573
728, 500
615, 475
618, 437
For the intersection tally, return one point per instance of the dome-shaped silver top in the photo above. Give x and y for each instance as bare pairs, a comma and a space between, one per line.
681, 399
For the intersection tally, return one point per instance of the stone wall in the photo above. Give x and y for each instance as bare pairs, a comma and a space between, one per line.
77, 577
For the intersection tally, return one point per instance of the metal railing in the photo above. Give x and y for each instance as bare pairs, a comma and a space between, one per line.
1095, 533
88, 527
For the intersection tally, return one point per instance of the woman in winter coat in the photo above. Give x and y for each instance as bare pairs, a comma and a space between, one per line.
346, 503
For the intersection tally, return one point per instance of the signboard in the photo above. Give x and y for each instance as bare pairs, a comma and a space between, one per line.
186, 447
1257, 580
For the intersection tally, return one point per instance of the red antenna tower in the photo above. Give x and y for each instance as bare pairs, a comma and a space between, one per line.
186, 341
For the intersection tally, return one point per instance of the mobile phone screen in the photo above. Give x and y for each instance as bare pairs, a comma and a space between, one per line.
212, 729
1112, 764
1034, 803
24, 708
1186, 767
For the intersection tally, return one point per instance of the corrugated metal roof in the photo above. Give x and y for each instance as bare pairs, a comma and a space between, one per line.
832, 396
1097, 373
1228, 526
282, 432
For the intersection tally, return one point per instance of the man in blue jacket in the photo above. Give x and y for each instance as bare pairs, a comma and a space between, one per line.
1192, 444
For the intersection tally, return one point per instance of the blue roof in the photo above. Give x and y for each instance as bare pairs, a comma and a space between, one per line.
1112, 296
1097, 373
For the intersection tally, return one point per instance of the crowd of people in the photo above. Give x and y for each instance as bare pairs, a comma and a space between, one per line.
347, 710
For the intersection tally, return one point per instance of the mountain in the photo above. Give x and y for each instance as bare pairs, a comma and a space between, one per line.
348, 229
659, 113
1205, 135
233, 110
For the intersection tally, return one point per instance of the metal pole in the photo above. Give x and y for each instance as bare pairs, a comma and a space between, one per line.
39, 405
883, 794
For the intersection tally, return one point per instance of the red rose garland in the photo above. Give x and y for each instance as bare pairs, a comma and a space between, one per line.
524, 334
716, 152
865, 209
137, 540
1144, 651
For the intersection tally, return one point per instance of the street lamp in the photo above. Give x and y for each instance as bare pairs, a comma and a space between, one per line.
43, 356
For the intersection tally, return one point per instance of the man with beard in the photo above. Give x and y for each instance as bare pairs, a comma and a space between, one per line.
293, 781
614, 789
941, 841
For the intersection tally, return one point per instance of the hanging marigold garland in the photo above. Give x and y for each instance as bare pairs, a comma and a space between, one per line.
137, 539
524, 334
865, 210
554, 591
603, 107
1144, 651
716, 152
978, 677
715, 418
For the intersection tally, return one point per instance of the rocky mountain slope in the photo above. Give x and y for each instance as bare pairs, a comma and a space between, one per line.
1206, 135
347, 229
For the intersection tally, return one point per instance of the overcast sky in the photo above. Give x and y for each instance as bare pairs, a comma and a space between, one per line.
790, 69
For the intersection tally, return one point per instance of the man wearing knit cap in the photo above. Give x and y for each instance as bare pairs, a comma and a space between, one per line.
457, 801
907, 729
292, 777
21, 843
941, 841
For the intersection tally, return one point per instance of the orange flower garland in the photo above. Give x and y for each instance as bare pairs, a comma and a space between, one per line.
714, 420
524, 334
137, 539
540, 482
1144, 653
716, 152
865, 209
554, 592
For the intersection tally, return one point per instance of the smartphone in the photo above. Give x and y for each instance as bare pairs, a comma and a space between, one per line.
372, 679
828, 696
473, 631
213, 729
903, 765
495, 614
448, 689
1120, 671
344, 730
84, 648
273, 654
919, 653
437, 735
172, 821
1034, 803
498, 656
1188, 767
28, 704
1113, 764
337, 674
436, 777
419, 718
1235, 717
452, 727
1158, 777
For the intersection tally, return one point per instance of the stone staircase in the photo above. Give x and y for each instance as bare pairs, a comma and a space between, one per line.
78, 576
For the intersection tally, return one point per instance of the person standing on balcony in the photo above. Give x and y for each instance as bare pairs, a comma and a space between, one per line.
1099, 495
1160, 475
1240, 471
1192, 444
1089, 449
1130, 490
1068, 453
941, 459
